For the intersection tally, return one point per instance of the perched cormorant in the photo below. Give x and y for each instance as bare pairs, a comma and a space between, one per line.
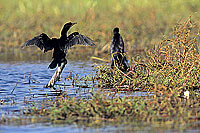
60, 45
118, 57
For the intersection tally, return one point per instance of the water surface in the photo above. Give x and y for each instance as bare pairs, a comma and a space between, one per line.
22, 83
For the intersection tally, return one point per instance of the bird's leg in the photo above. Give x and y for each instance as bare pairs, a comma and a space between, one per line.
56, 75
62, 67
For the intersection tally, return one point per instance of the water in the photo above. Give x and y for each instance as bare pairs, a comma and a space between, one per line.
72, 129
22, 83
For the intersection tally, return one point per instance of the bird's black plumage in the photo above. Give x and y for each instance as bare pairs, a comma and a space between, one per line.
118, 57
60, 45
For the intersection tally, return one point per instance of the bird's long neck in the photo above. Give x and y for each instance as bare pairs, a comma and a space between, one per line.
64, 32
116, 36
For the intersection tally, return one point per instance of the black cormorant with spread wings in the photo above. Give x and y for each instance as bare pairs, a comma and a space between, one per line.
60, 45
118, 57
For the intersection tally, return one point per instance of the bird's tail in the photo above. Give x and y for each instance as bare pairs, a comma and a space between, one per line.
53, 64
120, 60
126, 63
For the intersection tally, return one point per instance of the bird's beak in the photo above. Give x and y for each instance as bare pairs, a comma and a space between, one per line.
74, 23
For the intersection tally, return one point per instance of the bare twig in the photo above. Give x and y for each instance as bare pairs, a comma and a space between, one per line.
14, 88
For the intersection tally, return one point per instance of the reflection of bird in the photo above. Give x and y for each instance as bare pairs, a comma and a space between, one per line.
60, 45
117, 52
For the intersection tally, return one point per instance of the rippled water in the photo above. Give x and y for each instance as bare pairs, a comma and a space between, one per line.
22, 83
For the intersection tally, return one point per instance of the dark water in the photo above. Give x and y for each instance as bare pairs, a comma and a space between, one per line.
22, 83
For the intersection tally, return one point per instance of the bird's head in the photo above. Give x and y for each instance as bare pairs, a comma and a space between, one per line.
69, 24
116, 30
66, 27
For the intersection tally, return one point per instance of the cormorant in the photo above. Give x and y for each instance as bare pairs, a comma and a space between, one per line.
60, 45
118, 57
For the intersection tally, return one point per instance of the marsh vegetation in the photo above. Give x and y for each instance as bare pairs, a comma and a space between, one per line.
161, 43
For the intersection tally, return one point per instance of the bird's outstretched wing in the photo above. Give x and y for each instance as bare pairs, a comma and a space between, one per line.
76, 38
42, 41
